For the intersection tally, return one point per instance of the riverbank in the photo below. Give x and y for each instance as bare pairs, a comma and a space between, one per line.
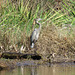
8, 64
56, 43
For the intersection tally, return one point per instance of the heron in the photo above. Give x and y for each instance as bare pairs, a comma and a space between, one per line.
35, 34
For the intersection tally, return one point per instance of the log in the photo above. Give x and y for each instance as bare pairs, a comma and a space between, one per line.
9, 55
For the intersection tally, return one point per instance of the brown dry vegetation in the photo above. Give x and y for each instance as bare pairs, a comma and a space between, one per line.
51, 43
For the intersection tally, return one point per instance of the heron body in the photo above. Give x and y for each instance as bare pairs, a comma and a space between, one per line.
35, 35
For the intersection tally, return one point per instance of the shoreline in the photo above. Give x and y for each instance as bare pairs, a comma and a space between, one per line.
7, 64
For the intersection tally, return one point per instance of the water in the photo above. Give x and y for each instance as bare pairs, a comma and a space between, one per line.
54, 69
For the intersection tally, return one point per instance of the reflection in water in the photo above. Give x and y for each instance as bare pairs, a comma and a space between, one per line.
33, 70
55, 69
22, 70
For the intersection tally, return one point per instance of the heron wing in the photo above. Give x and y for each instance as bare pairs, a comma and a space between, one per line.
37, 35
33, 36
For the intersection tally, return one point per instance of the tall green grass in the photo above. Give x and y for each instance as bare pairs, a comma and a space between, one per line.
16, 19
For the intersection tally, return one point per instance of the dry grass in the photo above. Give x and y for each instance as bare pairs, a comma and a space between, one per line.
51, 43
51, 40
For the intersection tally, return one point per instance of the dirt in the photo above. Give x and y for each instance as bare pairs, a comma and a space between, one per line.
7, 64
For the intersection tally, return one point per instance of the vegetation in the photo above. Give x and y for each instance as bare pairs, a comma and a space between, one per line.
16, 19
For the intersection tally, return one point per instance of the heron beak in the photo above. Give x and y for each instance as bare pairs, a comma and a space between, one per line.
39, 19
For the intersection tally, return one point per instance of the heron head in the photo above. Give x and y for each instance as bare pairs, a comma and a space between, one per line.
36, 20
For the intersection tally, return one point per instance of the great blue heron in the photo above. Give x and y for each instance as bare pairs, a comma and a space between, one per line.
35, 33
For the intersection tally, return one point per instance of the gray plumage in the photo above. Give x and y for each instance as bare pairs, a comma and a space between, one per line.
35, 34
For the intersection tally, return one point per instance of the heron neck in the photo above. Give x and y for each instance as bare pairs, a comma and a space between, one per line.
39, 25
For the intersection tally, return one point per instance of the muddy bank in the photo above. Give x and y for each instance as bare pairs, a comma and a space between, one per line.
8, 64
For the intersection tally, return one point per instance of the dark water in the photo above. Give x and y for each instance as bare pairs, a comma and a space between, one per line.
54, 69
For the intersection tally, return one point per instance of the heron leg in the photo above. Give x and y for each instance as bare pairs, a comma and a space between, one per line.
35, 49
